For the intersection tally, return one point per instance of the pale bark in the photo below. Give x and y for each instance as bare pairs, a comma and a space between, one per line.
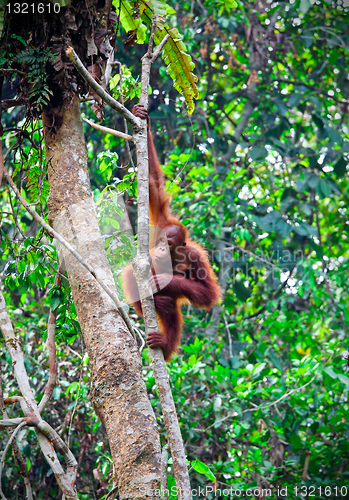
118, 391
142, 274
30, 409
108, 130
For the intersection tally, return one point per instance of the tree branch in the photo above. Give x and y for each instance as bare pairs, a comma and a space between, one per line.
12, 437
142, 274
18, 456
135, 122
108, 130
30, 408
160, 47
51, 345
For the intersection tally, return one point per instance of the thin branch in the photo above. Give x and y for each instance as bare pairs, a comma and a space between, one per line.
10, 103
310, 87
14, 399
14, 215
274, 296
31, 411
10, 422
246, 115
72, 250
108, 130
18, 456
72, 351
305, 468
77, 400
151, 37
258, 313
262, 407
63, 449
112, 493
139, 332
229, 336
251, 254
245, 138
51, 346
130, 159
135, 122
142, 274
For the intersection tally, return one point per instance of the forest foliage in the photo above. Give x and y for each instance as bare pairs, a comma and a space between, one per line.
261, 384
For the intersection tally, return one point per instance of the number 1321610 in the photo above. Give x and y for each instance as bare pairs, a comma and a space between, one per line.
321, 491
33, 8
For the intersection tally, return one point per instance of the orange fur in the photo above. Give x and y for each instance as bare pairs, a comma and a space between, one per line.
193, 279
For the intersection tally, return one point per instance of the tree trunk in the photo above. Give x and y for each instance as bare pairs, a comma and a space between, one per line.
118, 391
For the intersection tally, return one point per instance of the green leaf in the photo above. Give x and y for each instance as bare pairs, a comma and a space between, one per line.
175, 55
274, 358
241, 291
306, 208
258, 153
317, 104
258, 369
281, 106
62, 3
179, 64
57, 298
325, 187
128, 21
32, 259
202, 468
318, 121
329, 370
300, 230
334, 54
307, 39
294, 99
318, 249
313, 181
343, 378
340, 168
230, 3
160, 10
73, 387
312, 279
192, 360
57, 391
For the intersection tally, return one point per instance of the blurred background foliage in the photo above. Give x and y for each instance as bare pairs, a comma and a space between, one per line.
258, 173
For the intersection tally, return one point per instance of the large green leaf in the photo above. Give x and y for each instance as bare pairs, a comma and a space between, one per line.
179, 65
129, 20
134, 18
340, 167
